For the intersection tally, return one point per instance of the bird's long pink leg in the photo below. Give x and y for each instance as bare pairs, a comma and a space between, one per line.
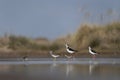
94, 56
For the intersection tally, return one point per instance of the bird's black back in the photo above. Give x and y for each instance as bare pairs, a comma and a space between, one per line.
72, 49
93, 50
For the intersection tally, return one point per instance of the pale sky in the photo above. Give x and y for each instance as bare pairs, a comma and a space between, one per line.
53, 18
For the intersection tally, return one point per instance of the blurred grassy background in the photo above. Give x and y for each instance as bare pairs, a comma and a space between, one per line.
103, 38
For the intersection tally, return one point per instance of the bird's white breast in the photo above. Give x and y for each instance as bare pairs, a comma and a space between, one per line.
70, 51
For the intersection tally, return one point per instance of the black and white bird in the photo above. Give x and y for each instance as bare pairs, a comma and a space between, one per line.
69, 49
25, 58
54, 55
91, 51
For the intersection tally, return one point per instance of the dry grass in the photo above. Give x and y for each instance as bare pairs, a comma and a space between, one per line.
100, 37
103, 38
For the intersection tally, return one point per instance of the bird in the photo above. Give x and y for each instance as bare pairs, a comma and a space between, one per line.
69, 49
68, 56
54, 55
91, 51
25, 58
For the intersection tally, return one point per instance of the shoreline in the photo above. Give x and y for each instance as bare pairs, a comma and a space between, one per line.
45, 54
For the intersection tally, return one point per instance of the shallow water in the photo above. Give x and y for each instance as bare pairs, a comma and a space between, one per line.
61, 69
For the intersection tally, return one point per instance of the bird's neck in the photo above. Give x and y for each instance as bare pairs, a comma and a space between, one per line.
51, 53
66, 46
89, 49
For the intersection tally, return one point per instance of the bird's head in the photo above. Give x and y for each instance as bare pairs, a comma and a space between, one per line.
89, 47
51, 52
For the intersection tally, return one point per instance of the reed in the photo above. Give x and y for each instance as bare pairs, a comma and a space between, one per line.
98, 36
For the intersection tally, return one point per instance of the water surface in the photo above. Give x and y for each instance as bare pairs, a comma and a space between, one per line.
61, 69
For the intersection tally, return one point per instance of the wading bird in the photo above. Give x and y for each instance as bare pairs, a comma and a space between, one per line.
54, 55
68, 56
70, 50
25, 58
91, 51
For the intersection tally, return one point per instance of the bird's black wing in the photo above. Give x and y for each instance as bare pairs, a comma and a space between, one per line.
93, 51
72, 49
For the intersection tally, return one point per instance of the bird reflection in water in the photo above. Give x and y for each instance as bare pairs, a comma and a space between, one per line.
53, 66
69, 69
92, 66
